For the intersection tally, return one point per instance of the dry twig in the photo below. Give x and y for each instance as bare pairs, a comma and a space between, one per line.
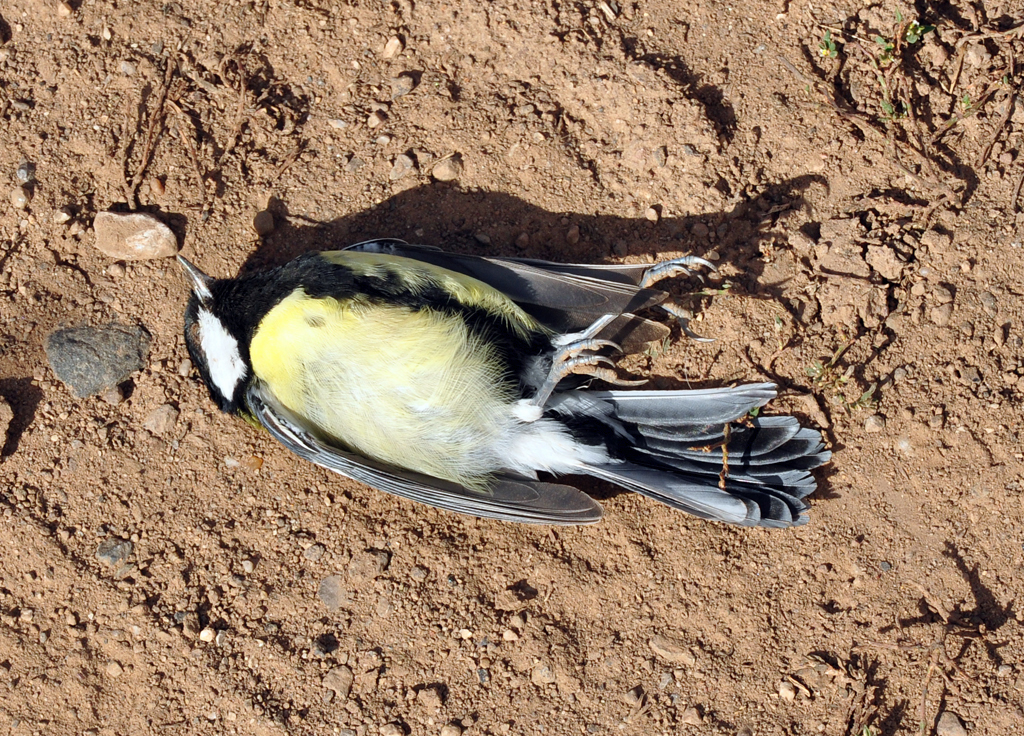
156, 119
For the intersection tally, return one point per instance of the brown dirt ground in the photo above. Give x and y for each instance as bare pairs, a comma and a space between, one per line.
851, 224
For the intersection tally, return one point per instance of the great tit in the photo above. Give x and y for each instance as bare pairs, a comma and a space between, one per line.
467, 383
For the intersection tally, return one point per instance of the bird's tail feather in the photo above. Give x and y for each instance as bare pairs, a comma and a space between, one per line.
677, 450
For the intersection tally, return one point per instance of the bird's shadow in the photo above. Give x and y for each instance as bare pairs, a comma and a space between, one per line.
498, 224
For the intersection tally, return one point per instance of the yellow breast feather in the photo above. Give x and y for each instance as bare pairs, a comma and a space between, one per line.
434, 401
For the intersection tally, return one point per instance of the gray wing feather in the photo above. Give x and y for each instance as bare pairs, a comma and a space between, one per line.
507, 499
566, 298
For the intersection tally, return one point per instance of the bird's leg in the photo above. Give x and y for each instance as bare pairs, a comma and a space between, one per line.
675, 267
575, 357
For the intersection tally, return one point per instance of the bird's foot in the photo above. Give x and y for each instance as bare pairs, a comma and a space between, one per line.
675, 267
578, 358
683, 316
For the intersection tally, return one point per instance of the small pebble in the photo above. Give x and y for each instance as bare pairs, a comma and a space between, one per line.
263, 223
950, 725
337, 123
671, 650
885, 566
542, 674
112, 551
157, 187
314, 552
1004, 670
874, 424
6, 417
26, 172
635, 696
941, 315
114, 669
127, 68
382, 140
161, 420
332, 592
339, 681
919, 288
19, 198
448, 169
113, 395
652, 214
401, 85
63, 215
482, 238
64, 10
221, 638
207, 635
184, 367
989, 303
523, 241
392, 48
354, 164
391, 729
450, 729
248, 566
691, 717
402, 166
620, 248
133, 236
786, 691
572, 235
942, 295
375, 119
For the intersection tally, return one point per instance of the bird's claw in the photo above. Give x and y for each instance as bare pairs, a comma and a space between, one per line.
578, 358
675, 267
683, 316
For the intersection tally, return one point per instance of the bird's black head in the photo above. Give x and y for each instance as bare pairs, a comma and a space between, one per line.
217, 351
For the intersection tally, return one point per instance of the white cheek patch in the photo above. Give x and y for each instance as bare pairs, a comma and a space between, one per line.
227, 369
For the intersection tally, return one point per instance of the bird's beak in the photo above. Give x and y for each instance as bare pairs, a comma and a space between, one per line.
199, 280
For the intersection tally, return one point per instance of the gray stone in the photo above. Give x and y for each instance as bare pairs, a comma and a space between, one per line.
112, 551
401, 85
332, 592
90, 360
402, 166
542, 674
133, 236
314, 552
950, 725
26, 172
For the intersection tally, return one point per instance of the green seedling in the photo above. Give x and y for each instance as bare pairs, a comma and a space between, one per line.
827, 47
915, 32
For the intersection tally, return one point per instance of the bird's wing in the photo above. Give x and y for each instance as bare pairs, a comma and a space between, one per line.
506, 499
564, 297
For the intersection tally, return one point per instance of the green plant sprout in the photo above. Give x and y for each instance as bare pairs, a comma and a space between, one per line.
827, 377
915, 32
827, 47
